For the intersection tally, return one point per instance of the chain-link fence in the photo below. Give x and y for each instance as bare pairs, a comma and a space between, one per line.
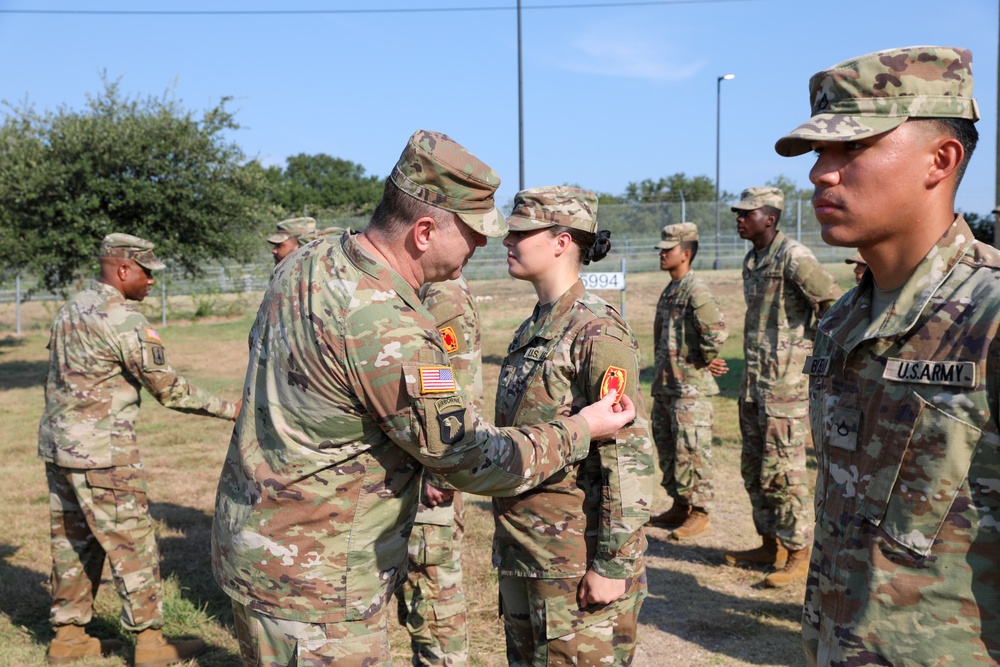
635, 230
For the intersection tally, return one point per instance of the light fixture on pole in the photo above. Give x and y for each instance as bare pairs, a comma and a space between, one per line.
718, 122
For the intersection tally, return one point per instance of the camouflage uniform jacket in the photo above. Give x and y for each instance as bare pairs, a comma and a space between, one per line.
786, 293
688, 333
904, 414
102, 351
573, 522
456, 317
348, 392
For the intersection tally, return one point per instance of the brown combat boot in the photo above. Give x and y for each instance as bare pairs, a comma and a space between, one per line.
770, 552
796, 569
695, 524
152, 649
673, 517
72, 643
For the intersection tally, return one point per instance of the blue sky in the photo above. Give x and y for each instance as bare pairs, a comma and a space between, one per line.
612, 94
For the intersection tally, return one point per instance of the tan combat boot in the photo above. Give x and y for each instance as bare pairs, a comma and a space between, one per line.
673, 517
72, 643
796, 569
770, 552
152, 649
695, 524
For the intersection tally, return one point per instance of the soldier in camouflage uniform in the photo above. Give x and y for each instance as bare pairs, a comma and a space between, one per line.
787, 291
905, 376
290, 235
432, 600
858, 265
570, 553
688, 333
349, 395
102, 352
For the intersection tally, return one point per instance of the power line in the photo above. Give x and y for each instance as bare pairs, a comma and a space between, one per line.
406, 10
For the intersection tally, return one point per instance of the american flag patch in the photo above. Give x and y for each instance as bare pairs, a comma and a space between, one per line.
436, 379
152, 335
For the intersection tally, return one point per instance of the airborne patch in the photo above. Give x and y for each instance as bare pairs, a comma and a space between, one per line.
450, 339
452, 426
614, 378
436, 380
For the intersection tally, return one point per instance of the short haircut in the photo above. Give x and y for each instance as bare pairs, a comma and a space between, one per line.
770, 210
962, 129
397, 211
692, 246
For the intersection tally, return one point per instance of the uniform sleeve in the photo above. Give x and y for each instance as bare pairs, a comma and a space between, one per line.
145, 358
709, 323
816, 285
409, 387
610, 355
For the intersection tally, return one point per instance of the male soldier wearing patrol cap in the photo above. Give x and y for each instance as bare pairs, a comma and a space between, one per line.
431, 600
351, 394
688, 333
905, 376
787, 291
290, 235
859, 265
102, 351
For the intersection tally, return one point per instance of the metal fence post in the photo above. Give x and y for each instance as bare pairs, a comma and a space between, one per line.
624, 283
163, 302
17, 301
798, 220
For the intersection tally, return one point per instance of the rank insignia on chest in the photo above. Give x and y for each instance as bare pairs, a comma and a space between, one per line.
614, 378
436, 380
450, 339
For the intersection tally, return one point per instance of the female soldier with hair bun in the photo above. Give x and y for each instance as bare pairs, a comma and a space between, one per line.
570, 552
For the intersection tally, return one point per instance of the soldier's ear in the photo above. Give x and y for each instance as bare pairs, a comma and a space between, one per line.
422, 231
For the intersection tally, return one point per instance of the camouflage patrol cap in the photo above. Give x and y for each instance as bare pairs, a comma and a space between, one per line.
550, 205
672, 235
877, 92
436, 169
856, 258
297, 227
760, 195
127, 246
319, 233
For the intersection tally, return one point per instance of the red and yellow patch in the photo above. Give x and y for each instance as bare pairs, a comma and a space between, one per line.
450, 339
614, 378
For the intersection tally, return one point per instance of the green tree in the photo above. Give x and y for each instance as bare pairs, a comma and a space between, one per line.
142, 166
981, 225
672, 189
790, 188
324, 186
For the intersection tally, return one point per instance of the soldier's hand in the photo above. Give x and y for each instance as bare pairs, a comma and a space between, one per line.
435, 496
597, 589
605, 417
239, 406
717, 366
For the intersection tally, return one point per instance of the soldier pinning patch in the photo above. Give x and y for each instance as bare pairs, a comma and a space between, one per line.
437, 380
614, 379
450, 339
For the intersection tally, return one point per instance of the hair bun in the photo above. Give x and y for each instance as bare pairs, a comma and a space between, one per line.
601, 247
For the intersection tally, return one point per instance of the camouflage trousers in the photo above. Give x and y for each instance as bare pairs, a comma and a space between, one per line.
545, 626
431, 602
93, 513
773, 464
268, 641
682, 430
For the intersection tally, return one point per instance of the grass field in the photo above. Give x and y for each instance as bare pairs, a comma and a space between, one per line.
699, 612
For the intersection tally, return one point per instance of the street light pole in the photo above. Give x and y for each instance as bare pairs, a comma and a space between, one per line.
718, 123
520, 105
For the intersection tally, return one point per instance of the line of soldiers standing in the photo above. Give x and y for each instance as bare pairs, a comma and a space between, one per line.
351, 394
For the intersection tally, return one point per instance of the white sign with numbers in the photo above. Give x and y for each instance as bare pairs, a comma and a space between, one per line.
603, 280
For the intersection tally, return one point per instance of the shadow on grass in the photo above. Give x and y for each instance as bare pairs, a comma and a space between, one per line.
24, 598
725, 624
23, 374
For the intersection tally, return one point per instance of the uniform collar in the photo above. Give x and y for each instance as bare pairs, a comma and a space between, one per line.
368, 263
545, 325
851, 323
772, 250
